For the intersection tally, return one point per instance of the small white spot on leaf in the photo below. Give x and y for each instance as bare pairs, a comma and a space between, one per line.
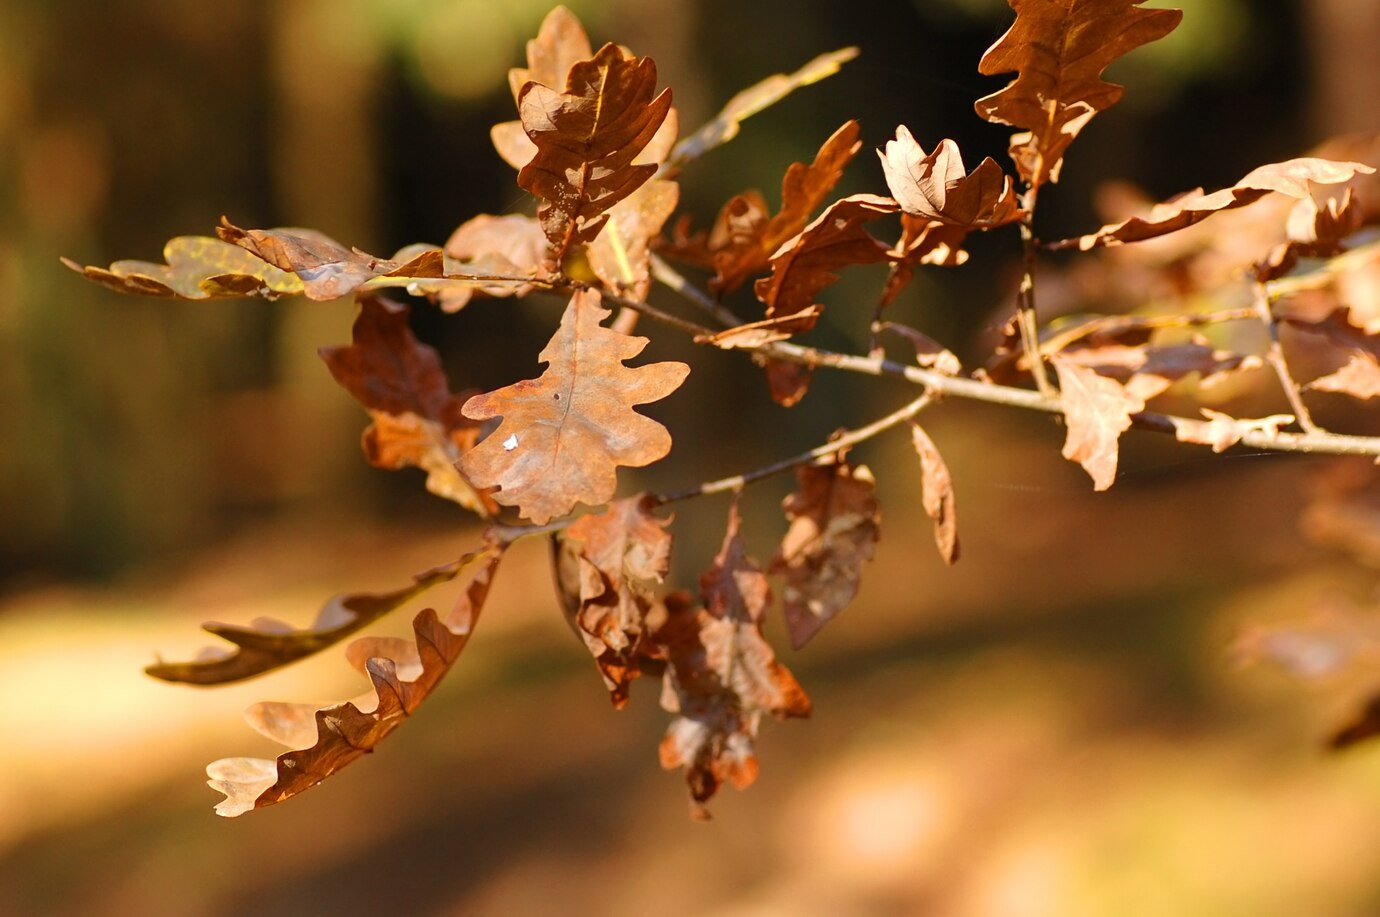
510, 443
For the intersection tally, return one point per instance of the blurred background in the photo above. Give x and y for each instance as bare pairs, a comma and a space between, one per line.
1055, 726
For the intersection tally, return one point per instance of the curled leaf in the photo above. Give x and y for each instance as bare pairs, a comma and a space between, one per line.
563, 435
935, 186
761, 95
403, 675
268, 644
587, 138
938, 493
1059, 49
834, 525
560, 44
199, 267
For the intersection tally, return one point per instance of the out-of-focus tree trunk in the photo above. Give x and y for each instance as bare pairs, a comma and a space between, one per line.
1345, 35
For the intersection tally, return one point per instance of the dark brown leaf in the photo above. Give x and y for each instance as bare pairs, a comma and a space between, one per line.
403, 674
564, 434
834, 523
587, 138
1059, 49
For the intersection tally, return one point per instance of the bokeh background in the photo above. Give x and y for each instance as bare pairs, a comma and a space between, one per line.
1056, 726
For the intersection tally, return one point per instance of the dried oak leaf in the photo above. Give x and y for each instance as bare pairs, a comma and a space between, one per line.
1097, 410
563, 434
620, 256
1149, 369
400, 381
1312, 231
834, 526
587, 139
489, 247
757, 334
923, 241
935, 186
1359, 378
403, 674
1059, 49
745, 237
1290, 178
1222, 431
929, 353
267, 644
721, 675
327, 269
761, 95
619, 559
199, 267
560, 44
938, 493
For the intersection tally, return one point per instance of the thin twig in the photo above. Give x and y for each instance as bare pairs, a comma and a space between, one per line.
1026, 319
673, 279
1275, 357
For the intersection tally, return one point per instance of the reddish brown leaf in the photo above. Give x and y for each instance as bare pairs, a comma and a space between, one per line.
403, 675
1059, 49
935, 186
922, 241
761, 95
1222, 431
1097, 410
563, 434
620, 559
834, 524
561, 43
722, 675
787, 382
268, 644
327, 269
587, 138
198, 267
836, 239
1289, 178
938, 493
417, 421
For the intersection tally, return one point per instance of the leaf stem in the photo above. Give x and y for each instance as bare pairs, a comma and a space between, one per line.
1026, 319
1275, 356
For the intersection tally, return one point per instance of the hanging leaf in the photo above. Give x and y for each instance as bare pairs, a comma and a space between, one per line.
198, 267
1059, 49
935, 186
620, 558
1097, 411
563, 434
417, 421
403, 674
938, 493
268, 644
587, 138
1359, 378
759, 96
1290, 178
834, 525
327, 269
722, 675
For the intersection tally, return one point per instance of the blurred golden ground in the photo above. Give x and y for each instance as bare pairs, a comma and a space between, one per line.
974, 751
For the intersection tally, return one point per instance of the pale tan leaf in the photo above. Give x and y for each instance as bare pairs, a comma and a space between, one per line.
1222, 431
1097, 410
199, 267
938, 493
935, 186
1359, 378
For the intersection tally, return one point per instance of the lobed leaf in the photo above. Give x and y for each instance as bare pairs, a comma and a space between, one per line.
563, 434
1058, 49
1291, 178
403, 674
615, 562
1359, 378
1097, 410
199, 267
721, 674
587, 138
417, 421
757, 97
834, 525
936, 187
487, 246
268, 644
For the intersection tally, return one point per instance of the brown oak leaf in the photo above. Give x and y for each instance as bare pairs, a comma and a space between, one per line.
1359, 378
721, 675
563, 435
587, 138
938, 493
1059, 49
512, 245
403, 674
619, 558
400, 381
1097, 410
834, 526
935, 186
1222, 431
1290, 178
327, 269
